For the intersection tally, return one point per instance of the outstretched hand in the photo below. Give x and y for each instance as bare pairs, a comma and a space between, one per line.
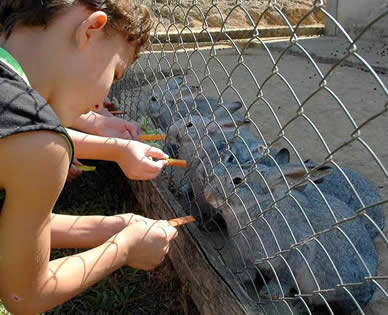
136, 160
149, 243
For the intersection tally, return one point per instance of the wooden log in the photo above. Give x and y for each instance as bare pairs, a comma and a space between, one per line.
212, 287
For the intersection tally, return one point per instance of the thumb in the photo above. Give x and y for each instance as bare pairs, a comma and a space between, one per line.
76, 162
157, 153
127, 135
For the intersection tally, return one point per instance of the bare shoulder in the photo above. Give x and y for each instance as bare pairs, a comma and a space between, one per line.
33, 164
33, 168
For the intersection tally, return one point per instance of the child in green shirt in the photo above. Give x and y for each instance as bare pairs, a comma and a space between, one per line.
58, 59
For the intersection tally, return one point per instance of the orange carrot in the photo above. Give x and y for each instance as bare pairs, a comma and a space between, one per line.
117, 112
177, 163
181, 221
153, 137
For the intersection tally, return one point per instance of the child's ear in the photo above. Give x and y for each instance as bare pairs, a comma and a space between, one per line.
94, 23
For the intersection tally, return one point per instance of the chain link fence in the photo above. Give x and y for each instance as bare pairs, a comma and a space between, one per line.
285, 142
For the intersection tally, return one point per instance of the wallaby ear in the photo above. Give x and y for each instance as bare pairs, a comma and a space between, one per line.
294, 174
225, 126
227, 157
310, 163
227, 110
283, 156
317, 175
186, 92
175, 82
228, 124
233, 107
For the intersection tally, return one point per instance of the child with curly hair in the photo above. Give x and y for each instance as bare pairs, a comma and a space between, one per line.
58, 59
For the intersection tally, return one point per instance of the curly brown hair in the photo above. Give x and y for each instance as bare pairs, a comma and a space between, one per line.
134, 21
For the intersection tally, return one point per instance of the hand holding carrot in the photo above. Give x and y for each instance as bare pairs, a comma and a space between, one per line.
181, 221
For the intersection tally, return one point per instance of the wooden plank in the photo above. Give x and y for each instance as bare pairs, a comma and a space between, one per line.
212, 287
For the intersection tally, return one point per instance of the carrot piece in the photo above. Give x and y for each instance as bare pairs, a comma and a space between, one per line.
181, 221
86, 168
153, 137
117, 112
177, 163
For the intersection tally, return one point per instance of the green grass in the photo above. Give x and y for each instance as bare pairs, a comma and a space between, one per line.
126, 291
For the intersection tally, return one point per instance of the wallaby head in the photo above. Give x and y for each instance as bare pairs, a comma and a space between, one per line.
165, 92
222, 111
238, 186
189, 127
195, 126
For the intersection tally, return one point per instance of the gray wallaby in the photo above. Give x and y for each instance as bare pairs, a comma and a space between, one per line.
339, 184
292, 238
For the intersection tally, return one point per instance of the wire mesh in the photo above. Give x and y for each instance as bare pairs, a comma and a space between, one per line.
286, 145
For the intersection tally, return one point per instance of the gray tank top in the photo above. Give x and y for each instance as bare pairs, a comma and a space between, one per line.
21, 107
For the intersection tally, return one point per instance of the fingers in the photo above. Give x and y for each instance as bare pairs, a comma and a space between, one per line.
76, 162
150, 169
152, 242
127, 135
73, 173
130, 130
135, 130
139, 163
156, 153
170, 231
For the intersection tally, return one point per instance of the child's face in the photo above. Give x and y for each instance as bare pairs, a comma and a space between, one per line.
107, 64
104, 61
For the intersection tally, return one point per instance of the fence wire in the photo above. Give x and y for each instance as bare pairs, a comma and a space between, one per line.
286, 148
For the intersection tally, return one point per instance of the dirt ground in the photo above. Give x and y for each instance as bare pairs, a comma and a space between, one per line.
230, 14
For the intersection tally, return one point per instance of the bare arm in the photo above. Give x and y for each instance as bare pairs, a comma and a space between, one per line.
134, 158
72, 231
87, 122
30, 283
107, 126
68, 231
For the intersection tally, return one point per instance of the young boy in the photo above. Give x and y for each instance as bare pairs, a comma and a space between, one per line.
58, 59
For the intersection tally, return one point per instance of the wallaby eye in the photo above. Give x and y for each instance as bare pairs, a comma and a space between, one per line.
237, 180
189, 124
230, 159
153, 98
